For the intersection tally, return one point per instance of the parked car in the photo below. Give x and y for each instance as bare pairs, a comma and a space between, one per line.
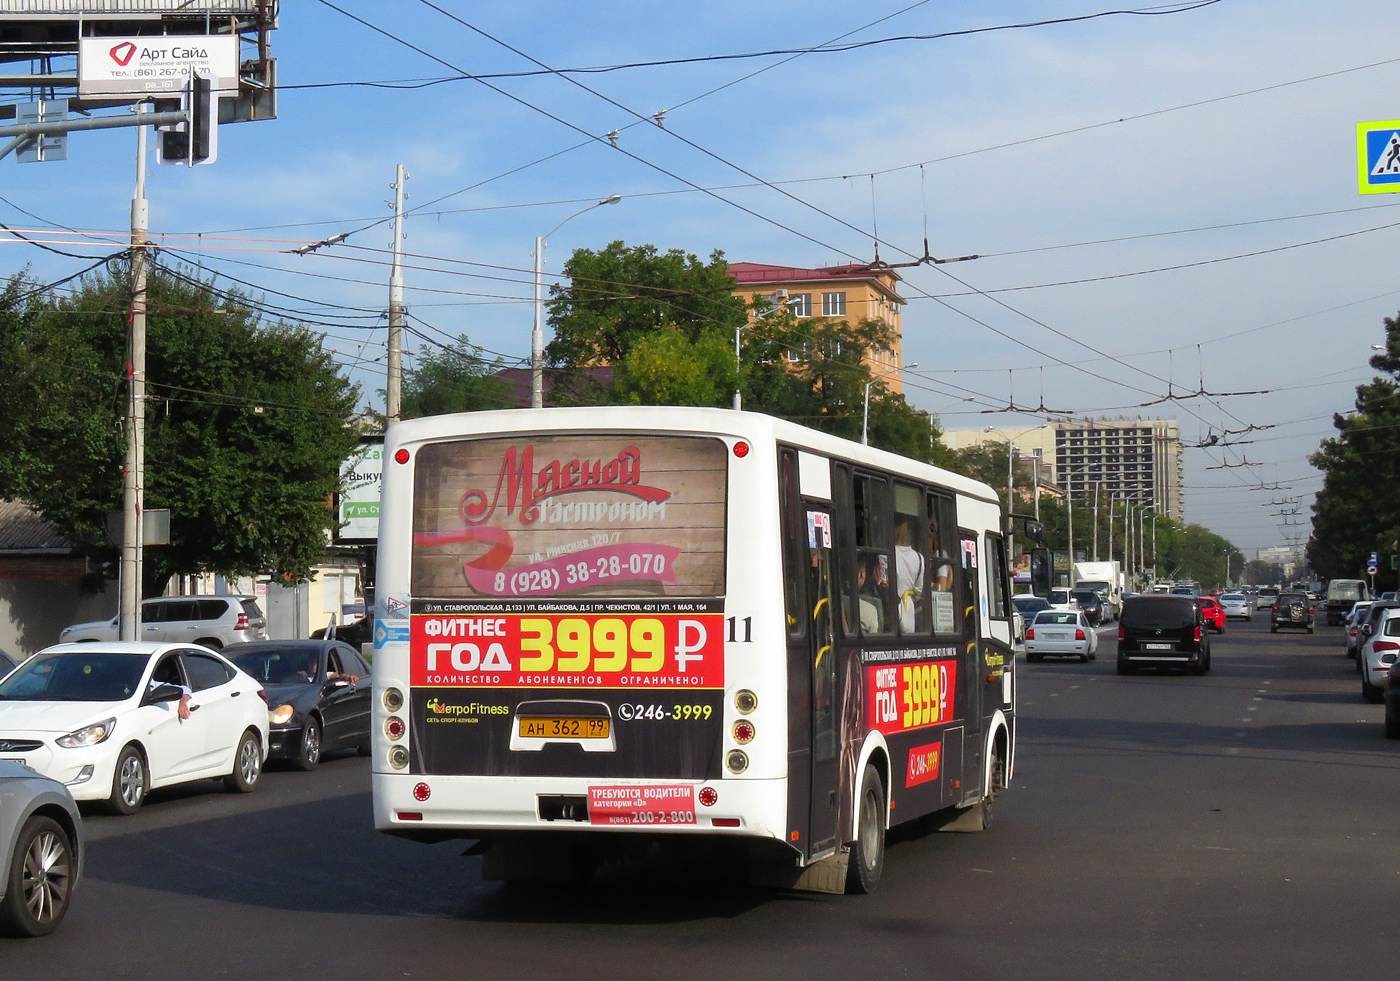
1061, 633
1237, 605
1091, 602
1162, 632
41, 833
209, 621
104, 719
1352, 626
1267, 596
354, 634
318, 696
1292, 610
1392, 703
1212, 612
1379, 650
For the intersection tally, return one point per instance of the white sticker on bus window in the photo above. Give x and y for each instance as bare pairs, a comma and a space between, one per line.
818, 529
969, 554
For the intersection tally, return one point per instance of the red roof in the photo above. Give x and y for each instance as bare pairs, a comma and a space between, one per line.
758, 272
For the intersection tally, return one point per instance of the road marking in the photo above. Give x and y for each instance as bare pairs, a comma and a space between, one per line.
1252, 708
1073, 687
1257, 698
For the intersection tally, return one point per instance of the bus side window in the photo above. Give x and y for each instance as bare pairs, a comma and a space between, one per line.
844, 520
997, 602
911, 564
793, 528
874, 558
943, 602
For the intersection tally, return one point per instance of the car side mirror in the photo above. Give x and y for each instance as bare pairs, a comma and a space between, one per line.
162, 693
1367, 629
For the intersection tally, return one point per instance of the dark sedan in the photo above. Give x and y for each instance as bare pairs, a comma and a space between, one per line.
318, 696
1092, 604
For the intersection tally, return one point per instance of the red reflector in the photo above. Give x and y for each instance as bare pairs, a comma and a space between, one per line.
741, 450
708, 796
401, 456
408, 816
1198, 635
1122, 634
422, 792
725, 822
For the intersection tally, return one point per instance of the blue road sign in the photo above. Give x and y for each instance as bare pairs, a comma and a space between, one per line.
1378, 156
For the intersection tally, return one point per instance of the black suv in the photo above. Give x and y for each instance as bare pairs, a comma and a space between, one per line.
1292, 610
1162, 632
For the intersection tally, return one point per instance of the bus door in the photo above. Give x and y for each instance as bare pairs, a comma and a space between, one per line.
971, 666
826, 746
813, 760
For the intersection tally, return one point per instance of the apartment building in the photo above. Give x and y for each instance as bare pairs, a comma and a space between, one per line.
853, 293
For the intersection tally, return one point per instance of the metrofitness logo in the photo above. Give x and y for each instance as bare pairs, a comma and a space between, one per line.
122, 53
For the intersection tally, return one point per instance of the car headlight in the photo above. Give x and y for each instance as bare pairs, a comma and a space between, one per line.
88, 736
281, 715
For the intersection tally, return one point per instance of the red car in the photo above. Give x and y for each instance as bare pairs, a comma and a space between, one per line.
1213, 612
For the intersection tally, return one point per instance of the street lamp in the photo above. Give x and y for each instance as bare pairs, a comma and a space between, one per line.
537, 335
1010, 461
865, 416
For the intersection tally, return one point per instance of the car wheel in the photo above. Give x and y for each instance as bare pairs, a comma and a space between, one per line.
40, 882
1124, 667
364, 750
310, 753
1033, 657
1371, 693
247, 764
1310, 629
1273, 628
1392, 726
867, 858
130, 781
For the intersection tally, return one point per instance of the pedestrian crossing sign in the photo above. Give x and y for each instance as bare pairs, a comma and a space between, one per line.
1378, 154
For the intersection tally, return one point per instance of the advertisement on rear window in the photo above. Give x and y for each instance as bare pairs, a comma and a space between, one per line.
567, 617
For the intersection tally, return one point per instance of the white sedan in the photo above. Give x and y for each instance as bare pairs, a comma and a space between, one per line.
1061, 632
1237, 605
104, 719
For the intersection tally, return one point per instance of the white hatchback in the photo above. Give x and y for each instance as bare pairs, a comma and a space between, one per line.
104, 719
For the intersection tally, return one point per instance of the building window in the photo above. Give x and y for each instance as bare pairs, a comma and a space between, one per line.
800, 304
833, 304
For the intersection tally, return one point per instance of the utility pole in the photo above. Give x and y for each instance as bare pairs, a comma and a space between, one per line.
1096, 521
1110, 526
394, 388
133, 484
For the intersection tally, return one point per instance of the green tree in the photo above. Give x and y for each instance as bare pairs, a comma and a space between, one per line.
247, 424
453, 379
665, 367
1356, 511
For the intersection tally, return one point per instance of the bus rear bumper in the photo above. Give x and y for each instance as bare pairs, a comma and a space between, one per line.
484, 807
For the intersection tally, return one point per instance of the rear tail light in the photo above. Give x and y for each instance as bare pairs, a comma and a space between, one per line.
1385, 645
743, 731
1198, 635
394, 727
242, 623
1122, 634
1030, 634
1079, 635
263, 695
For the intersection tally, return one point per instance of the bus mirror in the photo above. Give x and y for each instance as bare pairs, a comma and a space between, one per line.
1041, 570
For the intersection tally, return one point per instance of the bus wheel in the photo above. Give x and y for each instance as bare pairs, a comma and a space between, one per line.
867, 858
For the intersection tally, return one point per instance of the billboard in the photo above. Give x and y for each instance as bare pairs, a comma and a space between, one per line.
130, 66
359, 498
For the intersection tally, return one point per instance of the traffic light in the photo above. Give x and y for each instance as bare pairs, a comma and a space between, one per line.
195, 142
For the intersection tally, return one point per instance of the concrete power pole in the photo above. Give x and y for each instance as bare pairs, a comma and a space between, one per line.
394, 386
133, 485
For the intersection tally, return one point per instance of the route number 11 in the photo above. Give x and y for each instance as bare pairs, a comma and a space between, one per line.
733, 623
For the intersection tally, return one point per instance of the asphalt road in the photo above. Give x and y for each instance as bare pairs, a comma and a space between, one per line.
1239, 825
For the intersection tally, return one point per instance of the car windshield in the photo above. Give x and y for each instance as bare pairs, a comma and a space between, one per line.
1159, 613
75, 676
1286, 599
279, 665
1029, 604
1086, 597
1050, 617
1344, 591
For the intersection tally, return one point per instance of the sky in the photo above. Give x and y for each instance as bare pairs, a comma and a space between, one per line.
1162, 204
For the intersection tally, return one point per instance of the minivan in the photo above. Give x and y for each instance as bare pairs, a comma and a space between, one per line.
210, 621
1162, 632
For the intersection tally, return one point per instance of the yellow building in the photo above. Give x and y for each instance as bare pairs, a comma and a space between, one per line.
850, 293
